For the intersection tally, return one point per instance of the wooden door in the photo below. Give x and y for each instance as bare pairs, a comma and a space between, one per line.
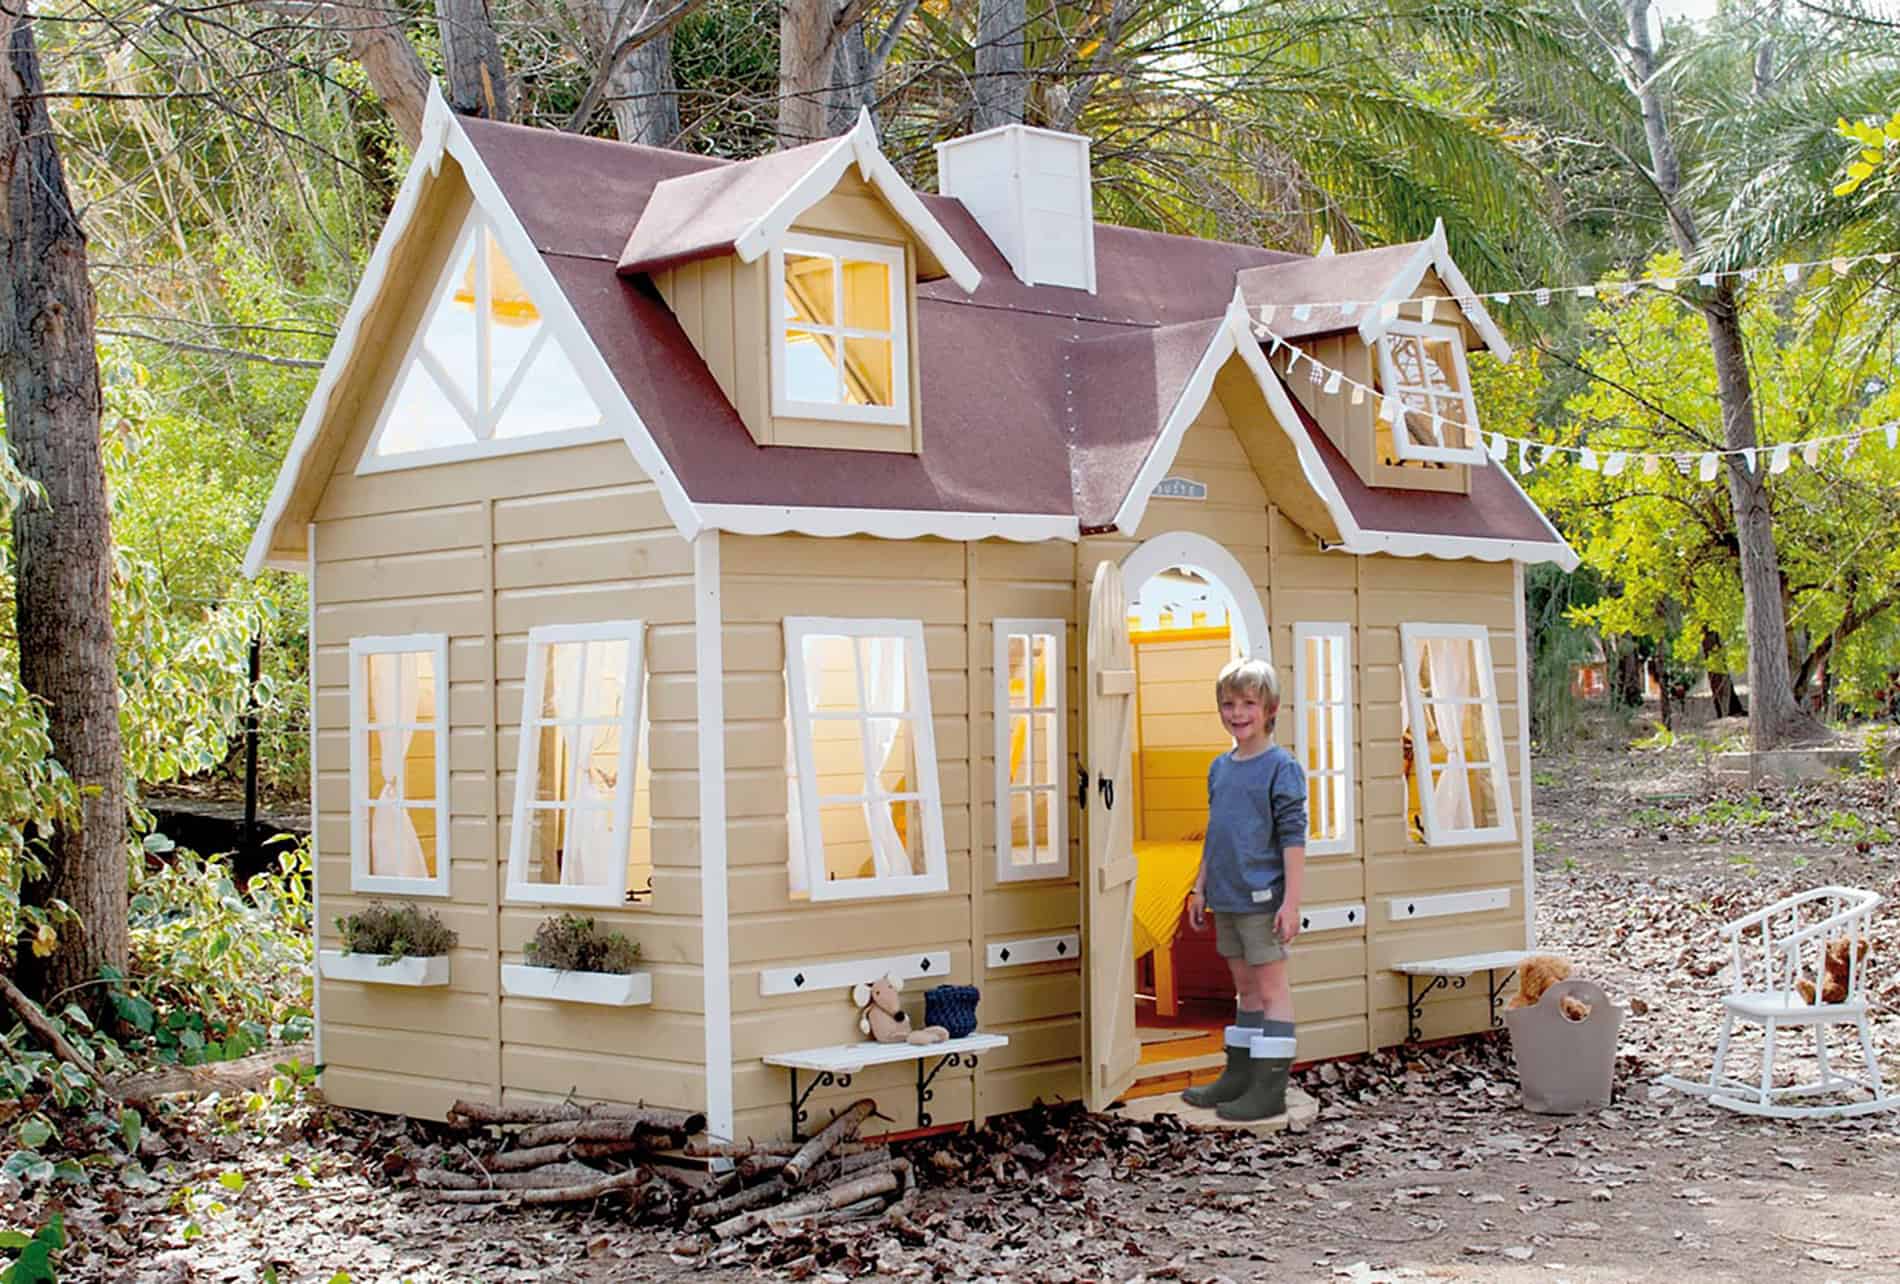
1108, 884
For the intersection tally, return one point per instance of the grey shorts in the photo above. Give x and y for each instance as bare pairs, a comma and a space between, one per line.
1248, 936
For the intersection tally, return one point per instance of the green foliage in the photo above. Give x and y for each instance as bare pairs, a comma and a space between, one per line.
407, 931
33, 1254
573, 943
1876, 146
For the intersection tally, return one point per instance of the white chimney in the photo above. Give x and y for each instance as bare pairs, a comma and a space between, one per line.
1029, 189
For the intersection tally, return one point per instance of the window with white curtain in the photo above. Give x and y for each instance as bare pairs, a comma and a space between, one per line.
1322, 710
866, 817
399, 769
1458, 788
1031, 802
578, 835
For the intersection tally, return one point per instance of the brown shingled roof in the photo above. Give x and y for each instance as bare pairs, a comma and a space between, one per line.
1035, 400
697, 215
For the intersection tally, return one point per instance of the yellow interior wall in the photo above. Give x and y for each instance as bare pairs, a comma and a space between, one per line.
1177, 728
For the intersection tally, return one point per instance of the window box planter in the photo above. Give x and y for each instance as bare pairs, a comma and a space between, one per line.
609, 989
370, 968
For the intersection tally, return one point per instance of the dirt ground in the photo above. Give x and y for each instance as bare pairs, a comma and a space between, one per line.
1420, 1167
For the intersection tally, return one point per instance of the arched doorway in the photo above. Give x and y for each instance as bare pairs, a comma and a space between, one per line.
1211, 562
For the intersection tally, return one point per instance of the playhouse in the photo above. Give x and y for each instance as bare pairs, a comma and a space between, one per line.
817, 579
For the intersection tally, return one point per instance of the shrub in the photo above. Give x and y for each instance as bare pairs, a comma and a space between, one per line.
407, 932
571, 943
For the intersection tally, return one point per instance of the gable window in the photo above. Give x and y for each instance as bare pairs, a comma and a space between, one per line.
866, 815
1458, 788
577, 837
486, 372
840, 336
1322, 708
399, 769
1422, 374
1031, 803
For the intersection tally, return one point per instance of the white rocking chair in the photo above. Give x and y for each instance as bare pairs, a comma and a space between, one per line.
1767, 953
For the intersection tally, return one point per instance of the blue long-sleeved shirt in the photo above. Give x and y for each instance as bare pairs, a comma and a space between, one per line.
1256, 809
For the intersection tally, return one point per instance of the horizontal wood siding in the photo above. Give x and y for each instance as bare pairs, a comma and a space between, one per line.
485, 550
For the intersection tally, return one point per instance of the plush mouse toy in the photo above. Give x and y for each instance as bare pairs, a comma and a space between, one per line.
1834, 970
881, 1014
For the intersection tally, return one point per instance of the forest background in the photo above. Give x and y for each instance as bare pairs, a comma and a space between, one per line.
230, 163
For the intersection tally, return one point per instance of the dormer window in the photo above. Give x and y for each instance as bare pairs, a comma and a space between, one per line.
1422, 373
840, 335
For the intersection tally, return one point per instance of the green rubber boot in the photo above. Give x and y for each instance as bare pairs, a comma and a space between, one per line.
1234, 1079
1265, 1097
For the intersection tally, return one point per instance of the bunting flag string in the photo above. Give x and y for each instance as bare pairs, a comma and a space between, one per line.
1544, 295
1703, 464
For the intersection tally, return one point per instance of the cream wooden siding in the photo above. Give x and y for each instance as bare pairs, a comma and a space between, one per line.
955, 590
483, 551
723, 306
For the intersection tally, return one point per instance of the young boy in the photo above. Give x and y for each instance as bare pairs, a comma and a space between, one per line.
1253, 868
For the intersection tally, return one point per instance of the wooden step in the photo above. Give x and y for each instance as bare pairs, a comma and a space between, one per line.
1301, 1110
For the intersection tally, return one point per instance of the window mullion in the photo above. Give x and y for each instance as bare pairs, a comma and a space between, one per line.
574, 767
484, 338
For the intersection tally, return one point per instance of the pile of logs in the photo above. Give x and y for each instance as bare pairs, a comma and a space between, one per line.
568, 1153
832, 1177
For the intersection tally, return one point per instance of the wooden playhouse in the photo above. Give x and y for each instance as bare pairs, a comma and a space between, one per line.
817, 579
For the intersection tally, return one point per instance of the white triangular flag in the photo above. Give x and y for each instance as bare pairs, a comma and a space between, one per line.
1315, 371
1779, 461
1588, 460
1266, 313
1499, 447
1547, 454
1666, 283
1812, 455
1359, 394
1748, 273
1332, 383
1839, 265
1614, 465
1586, 292
1707, 278
1500, 298
1388, 312
1273, 349
1748, 458
1893, 432
1523, 455
1542, 296
1302, 311
1790, 272
1705, 471
1851, 449
1651, 465
1427, 307
1883, 259
1628, 288
1389, 407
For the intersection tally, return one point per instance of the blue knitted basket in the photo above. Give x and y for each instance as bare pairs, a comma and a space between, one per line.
951, 1006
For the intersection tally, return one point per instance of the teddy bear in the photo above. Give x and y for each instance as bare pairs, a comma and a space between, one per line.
881, 1014
1834, 970
1538, 973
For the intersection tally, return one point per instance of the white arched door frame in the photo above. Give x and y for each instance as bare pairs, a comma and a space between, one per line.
1199, 553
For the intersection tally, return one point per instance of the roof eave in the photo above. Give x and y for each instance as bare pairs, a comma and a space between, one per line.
1434, 254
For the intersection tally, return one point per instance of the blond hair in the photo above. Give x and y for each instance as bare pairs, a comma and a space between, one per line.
1251, 676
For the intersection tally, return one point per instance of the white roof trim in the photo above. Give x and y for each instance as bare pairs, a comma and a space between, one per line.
858, 147
1461, 548
887, 523
441, 133
1434, 255
1235, 335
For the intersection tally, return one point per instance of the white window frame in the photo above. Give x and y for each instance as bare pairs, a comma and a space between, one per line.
527, 765
936, 877
554, 329
1390, 387
892, 256
435, 645
1001, 711
1303, 700
1412, 638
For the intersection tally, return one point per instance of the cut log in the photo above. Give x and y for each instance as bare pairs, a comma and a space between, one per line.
533, 1112
845, 1193
246, 1074
758, 1165
514, 1161
771, 1192
33, 1017
844, 1126
833, 1168
598, 1130
707, 1148
575, 1194
549, 1175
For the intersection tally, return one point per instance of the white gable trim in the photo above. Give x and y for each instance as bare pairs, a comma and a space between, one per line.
1434, 255
1235, 336
1462, 547
887, 523
857, 147
442, 135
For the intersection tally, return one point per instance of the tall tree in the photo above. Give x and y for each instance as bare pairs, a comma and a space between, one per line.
49, 374
471, 59
1001, 87
807, 37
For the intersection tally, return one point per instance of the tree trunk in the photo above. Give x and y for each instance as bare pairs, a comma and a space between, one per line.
853, 81
1628, 690
375, 35
471, 59
642, 92
1001, 88
49, 374
1774, 717
805, 41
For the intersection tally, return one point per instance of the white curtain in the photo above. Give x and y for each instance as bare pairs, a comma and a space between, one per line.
395, 849
882, 661
587, 855
794, 814
1452, 678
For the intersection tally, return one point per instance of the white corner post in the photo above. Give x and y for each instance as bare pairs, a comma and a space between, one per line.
715, 954
316, 866
1524, 755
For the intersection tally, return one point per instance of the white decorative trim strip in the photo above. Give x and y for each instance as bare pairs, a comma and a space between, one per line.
709, 661
1401, 908
1034, 949
1332, 918
1462, 547
804, 978
890, 523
